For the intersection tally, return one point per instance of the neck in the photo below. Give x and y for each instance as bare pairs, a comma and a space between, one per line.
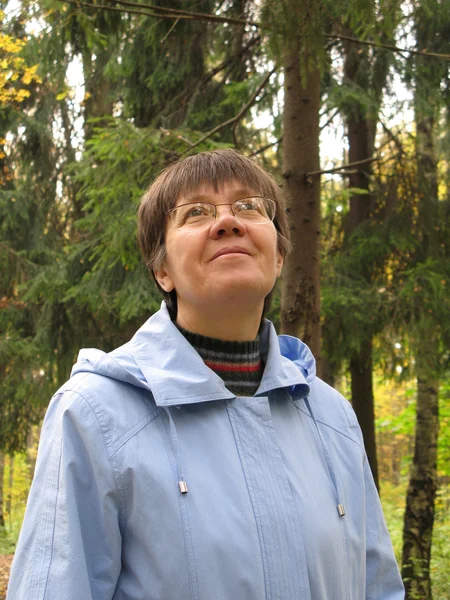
239, 324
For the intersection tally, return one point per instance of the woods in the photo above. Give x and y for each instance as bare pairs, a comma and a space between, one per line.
97, 98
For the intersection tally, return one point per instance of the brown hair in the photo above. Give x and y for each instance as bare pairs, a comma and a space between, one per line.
184, 177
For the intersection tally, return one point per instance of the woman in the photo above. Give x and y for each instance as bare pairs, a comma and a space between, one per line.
204, 459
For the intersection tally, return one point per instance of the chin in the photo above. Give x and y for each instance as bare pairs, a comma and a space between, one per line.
240, 288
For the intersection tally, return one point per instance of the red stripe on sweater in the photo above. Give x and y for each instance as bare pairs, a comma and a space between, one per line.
240, 368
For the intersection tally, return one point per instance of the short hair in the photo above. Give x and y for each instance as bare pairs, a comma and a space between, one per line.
214, 168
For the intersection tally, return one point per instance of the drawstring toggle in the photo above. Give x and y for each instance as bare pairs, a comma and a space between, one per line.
184, 487
341, 510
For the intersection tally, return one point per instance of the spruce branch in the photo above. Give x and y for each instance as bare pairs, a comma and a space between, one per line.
234, 120
196, 86
151, 10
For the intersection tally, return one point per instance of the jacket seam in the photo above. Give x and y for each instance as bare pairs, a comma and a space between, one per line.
320, 420
34, 578
113, 448
53, 532
111, 460
127, 436
217, 396
267, 584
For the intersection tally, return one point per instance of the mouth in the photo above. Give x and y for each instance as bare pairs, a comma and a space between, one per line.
231, 250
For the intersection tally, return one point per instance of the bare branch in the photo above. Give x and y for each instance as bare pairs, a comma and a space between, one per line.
342, 167
393, 137
230, 60
165, 11
150, 10
388, 46
197, 85
179, 136
172, 27
336, 112
237, 117
114, 9
266, 147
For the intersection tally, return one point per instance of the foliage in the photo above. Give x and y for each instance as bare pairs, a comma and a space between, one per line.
15, 74
72, 173
15, 497
393, 501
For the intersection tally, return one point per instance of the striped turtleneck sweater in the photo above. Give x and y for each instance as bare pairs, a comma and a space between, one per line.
237, 363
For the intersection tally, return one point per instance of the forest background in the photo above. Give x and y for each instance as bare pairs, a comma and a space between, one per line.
346, 102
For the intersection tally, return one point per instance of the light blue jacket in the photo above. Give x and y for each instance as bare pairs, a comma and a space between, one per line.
106, 518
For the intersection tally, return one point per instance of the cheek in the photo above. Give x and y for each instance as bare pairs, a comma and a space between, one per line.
183, 256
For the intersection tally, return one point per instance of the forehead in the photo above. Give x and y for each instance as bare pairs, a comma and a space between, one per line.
228, 191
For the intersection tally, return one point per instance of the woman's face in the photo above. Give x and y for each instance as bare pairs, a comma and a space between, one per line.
227, 260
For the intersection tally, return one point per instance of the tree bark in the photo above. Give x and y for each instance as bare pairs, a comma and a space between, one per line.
300, 297
421, 495
370, 77
363, 402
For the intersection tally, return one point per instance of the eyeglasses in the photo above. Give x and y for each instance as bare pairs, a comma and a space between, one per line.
255, 210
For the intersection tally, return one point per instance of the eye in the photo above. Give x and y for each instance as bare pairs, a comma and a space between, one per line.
247, 204
197, 211
193, 213
253, 209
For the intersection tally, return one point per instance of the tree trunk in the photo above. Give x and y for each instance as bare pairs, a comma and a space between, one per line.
300, 300
328, 371
420, 500
363, 402
361, 142
361, 128
419, 512
2, 472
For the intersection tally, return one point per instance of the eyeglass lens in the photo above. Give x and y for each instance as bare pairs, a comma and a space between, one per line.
253, 210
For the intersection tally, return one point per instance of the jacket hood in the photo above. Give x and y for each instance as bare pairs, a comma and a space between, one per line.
160, 359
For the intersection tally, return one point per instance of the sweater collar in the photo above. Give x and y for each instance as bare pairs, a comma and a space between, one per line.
177, 375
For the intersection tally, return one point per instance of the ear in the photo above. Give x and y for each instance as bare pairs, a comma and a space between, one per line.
163, 278
280, 263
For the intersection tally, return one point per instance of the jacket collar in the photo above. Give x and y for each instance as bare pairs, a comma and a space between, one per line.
177, 375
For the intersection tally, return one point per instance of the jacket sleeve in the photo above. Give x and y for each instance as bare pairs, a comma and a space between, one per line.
383, 581
70, 543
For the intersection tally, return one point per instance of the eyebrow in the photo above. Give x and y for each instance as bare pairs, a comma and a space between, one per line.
238, 193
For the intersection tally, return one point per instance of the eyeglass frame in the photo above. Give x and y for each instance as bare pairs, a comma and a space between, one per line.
271, 200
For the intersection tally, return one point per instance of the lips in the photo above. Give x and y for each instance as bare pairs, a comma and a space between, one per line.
230, 250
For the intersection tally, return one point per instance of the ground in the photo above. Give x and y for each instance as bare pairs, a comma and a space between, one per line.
5, 565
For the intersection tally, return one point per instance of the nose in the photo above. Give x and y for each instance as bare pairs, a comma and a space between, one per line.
226, 223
